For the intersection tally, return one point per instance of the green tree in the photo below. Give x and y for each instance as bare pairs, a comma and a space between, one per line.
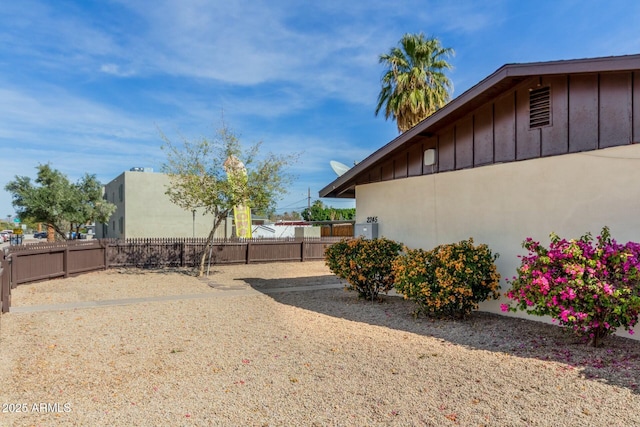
414, 85
198, 178
90, 205
53, 200
319, 212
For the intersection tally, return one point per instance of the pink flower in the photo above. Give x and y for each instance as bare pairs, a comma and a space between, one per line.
631, 332
504, 307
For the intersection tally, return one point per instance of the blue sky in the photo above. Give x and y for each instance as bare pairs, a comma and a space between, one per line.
85, 85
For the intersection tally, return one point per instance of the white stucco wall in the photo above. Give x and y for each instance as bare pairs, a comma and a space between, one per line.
502, 204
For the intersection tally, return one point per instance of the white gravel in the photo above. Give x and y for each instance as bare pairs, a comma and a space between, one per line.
241, 354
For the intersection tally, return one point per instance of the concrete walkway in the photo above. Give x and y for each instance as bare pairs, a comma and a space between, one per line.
128, 301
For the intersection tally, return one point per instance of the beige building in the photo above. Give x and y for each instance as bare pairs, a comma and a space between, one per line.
144, 210
532, 149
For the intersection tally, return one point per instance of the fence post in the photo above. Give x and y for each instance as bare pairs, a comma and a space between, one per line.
248, 252
14, 270
65, 261
182, 253
5, 289
105, 248
302, 248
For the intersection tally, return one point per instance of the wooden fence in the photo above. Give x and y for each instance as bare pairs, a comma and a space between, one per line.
30, 263
337, 230
187, 252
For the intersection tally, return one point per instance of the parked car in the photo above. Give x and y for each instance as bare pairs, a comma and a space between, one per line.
5, 235
40, 235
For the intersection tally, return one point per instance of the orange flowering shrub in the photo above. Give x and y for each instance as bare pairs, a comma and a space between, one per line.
364, 263
449, 280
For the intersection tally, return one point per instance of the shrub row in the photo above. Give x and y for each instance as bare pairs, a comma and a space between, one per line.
590, 286
449, 280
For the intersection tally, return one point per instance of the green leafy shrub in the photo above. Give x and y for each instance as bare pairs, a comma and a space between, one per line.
364, 263
449, 280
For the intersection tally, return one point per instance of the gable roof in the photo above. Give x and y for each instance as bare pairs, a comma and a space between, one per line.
502, 80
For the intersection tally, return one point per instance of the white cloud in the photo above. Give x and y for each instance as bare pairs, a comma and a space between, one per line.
115, 70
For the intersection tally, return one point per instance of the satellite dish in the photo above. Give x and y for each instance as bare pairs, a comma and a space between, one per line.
339, 168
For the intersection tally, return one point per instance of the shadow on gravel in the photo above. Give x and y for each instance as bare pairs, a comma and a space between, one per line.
187, 271
616, 363
267, 284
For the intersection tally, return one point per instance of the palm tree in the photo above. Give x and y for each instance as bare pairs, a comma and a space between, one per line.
414, 85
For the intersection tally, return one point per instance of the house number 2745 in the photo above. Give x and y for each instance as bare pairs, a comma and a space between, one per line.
372, 219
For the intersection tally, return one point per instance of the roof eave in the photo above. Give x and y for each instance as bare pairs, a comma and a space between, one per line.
507, 71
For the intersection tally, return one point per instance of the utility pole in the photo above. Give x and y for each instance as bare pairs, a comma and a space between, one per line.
309, 198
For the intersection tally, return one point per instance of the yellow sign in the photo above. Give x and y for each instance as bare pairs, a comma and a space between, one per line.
242, 217
237, 176
17, 231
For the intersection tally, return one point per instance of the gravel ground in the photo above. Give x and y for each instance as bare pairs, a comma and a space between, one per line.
247, 347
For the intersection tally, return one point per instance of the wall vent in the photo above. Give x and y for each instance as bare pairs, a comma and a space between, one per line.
539, 107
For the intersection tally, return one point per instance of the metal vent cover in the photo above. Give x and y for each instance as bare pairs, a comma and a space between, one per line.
539, 107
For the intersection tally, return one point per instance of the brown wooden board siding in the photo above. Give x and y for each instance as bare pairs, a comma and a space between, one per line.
555, 138
587, 111
446, 151
483, 136
400, 166
415, 160
500, 131
387, 171
615, 109
527, 140
464, 143
583, 113
375, 174
504, 129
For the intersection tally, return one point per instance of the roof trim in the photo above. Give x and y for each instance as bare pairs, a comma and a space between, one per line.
344, 183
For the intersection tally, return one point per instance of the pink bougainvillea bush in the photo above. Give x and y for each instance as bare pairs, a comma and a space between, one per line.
590, 286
